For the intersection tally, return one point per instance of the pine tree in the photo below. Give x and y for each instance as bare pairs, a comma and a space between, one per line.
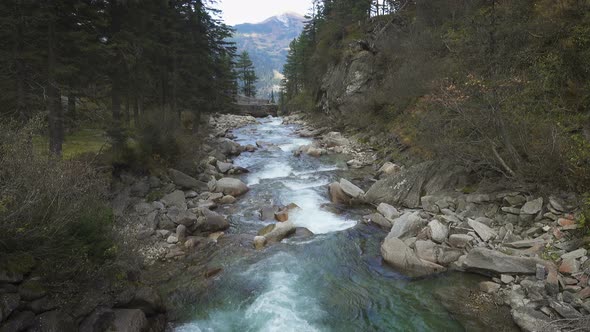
246, 74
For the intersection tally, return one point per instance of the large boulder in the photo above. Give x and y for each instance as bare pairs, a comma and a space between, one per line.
492, 262
532, 207
438, 231
408, 225
334, 138
147, 300
228, 147
350, 189
185, 181
231, 186
175, 199
388, 169
224, 167
20, 321
397, 254
212, 221
483, 231
407, 186
280, 231
53, 321
388, 211
337, 195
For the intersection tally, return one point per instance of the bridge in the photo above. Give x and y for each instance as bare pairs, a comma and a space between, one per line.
258, 108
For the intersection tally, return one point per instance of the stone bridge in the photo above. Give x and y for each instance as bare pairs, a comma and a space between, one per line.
258, 108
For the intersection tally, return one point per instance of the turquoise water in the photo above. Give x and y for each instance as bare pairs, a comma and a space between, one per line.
334, 281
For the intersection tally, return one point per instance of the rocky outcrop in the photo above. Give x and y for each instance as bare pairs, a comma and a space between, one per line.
231, 186
494, 262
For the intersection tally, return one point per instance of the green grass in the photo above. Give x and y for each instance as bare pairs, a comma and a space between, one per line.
76, 144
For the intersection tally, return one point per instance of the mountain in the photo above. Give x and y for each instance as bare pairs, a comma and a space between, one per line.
268, 45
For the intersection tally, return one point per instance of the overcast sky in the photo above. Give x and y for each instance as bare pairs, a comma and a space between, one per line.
254, 11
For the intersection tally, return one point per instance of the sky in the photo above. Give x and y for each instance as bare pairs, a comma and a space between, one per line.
254, 11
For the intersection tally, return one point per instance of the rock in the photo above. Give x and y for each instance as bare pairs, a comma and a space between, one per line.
231, 186
388, 211
350, 189
506, 278
176, 199
181, 233
426, 250
227, 199
401, 257
228, 147
406, 187
31, 290
460, 240
333, 139
41, 305
140, 189
438, 231
529, 320
526, 243
224, 167
213, 222
267, 213
128, 320
486, 261
569, 266
575, 254
540, 272
172, 239
215, 236
280, 231
337, 195
511, 210
489, 287
185, 181
389, 169
301, 233
259, 242
532, 207
147, 300
564, 310
515, 200
409, 224
429, 204
53, 321
18, 322
315, 152
144, 208
478, 198
354, 163
282, 216
380, 220
186, 218
8, 303
483, 231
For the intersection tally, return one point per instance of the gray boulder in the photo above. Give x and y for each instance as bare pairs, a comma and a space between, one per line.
185, 181
53, 321
483, 231
175, 199
280, 231
532, 207
401, 257
128, 320
410, 184
438, 231
19, 321
224, 167
213, 222
350, 189
229, 147
388, 211
380, 220
408, 225
491, 262
231, 186
337, 195
334, 138
530, 320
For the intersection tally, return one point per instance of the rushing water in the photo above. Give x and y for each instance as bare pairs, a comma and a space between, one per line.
334, 281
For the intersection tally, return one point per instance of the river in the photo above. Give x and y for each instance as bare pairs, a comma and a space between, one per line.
333, 281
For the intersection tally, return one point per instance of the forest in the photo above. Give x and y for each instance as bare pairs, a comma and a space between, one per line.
499, 86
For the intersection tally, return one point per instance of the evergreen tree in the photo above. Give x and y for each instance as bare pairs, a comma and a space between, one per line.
246, 74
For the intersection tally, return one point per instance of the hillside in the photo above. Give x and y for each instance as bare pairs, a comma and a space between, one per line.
268, 44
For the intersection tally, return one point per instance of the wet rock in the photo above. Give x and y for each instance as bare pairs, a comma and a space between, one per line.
280, 231
489, 287
228, 147
227, 199
145, 299
488, 261
483, 231
388, 211
213, 222
333, 139
8, 303
231, 186
409, 224
282, 216
388, 168
267, 213
259, 242
185, 181
337, 195
224, 167
380, 220
401, 257
350, 189
175, 199
301, 233
266, 229
53, 321
18, 322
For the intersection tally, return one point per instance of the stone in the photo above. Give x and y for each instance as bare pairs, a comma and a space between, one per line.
337, 195
41, 305
20, 321
143, 208
486, 261
557, 204
429, 204
532, 207
231, 186
31, 289
315, 152
389, 168
388, 211
530, 320
569, 266
215, 236
402, 258
511, 210
267, 213
140, 189
53, 321
147, 300
186, 218
489, 287
185, 181
407, 225
426, 250
176, 199
282, 216
280, 231
483, 231
213, 222
460, 240
334, 138
181, 233
516, 200
224, 167
172, 239
579, 253
552, 282
506, 278
228, 147
526, 243
227, 199
259, 242
355, 164
380, 220
438, 231
565, 222
350, 189
8, 303
564, 310
541, 272
129, 320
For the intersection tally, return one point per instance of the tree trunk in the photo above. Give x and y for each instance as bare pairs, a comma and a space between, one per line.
54, 98
72, 105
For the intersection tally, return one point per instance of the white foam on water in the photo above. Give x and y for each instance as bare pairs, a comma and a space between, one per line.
318, 170
272, 170
294, 144
298, 185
